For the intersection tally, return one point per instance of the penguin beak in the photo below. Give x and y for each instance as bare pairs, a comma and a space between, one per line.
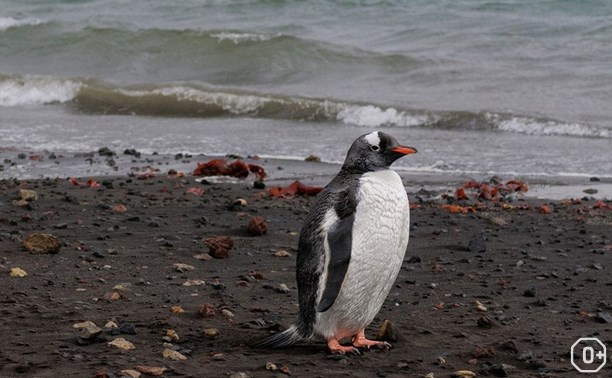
404, 150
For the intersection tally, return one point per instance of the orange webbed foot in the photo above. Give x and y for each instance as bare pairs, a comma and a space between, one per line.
360, 341
335, 348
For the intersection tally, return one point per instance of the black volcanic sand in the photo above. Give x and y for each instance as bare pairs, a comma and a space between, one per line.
543, 281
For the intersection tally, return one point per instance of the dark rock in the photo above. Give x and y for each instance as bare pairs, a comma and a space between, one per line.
127, 329
388, 332
477, 243
530, 293
484, 322
259, 185
132, 152
313, 158
105, 151
500, 370
414, 259
603, 317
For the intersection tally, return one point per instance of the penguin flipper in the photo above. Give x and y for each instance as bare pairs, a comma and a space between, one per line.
340, 241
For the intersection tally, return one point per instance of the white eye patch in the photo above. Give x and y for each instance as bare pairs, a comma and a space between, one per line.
373, 139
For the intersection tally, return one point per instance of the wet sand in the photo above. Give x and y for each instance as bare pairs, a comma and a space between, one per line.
501, 291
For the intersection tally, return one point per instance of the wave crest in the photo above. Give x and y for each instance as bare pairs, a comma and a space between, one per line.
32, 90
9, 22
194, 100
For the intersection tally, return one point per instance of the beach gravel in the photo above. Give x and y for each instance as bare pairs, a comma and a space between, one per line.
114, 267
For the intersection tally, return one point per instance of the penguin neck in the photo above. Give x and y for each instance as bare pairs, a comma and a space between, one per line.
359, 169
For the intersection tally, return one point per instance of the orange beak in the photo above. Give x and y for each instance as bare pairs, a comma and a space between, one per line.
404, 150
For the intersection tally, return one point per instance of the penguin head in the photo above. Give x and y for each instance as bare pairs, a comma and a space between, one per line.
374, 151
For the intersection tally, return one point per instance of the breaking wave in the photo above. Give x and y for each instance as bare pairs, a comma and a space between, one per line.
9, 22
194, 100
31, 90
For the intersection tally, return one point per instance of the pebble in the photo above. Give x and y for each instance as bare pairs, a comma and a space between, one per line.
313, 159
237, 204
480, 306
194, 283
271, 367
171, 333
20, 203
202, 256
180, 267
121, 343
463, 374
282, 253
477, 243
530, 293
241, 374
133, 152
211, 333
207, 310
500, 370
127, 329
283, 288
177, 310
220, 246
388, 332
483, 352
42, 243
155, 371
131, 373
88, 329
105, 151
257, 226
227, 313
18, 272
28, 195
484, 322
173, 355
603, 317
111, 325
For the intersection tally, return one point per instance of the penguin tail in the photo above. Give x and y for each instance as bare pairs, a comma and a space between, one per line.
286, 338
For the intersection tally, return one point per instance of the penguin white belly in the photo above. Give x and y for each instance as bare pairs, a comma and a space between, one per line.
379, 240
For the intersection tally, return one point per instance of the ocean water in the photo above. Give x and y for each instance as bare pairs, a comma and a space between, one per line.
479, 87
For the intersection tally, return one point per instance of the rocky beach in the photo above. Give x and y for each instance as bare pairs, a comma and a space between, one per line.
154, 271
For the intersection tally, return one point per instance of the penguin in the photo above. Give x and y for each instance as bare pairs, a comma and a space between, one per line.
351, 249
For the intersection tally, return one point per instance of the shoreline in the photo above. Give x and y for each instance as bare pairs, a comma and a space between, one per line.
22, 165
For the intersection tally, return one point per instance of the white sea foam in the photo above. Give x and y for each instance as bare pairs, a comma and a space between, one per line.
233, 103
31, 90
243, 37
373, 116
9, 22
533, 126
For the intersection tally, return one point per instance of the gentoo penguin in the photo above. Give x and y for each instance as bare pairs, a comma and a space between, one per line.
351, 248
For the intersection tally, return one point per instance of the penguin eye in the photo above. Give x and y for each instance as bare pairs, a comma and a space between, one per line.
374, 148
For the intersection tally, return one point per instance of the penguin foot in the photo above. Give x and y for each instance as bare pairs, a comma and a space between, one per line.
360, 341
335, 348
